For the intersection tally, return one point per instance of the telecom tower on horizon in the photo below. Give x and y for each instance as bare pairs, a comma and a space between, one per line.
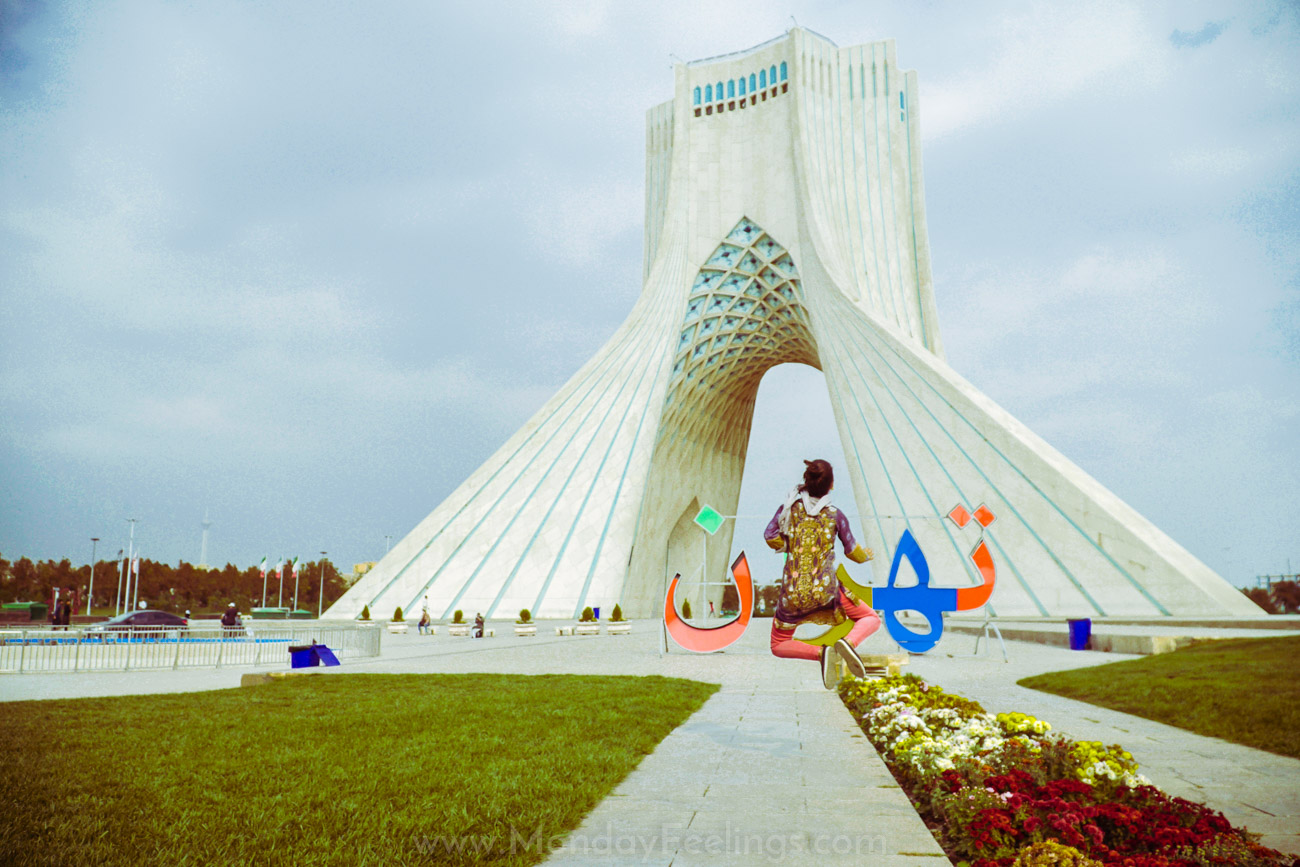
203, 546
785, 223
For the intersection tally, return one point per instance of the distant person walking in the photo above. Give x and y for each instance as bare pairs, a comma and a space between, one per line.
805, 527
61, 613
230, 620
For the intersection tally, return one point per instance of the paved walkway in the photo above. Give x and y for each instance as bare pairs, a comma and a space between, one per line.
772, 769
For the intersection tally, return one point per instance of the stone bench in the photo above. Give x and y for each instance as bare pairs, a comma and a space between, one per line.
878, 664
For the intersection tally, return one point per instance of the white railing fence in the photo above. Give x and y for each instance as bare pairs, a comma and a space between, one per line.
202, 644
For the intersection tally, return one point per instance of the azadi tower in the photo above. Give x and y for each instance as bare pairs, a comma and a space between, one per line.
784, 222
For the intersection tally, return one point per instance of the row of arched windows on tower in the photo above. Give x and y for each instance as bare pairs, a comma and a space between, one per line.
736, 87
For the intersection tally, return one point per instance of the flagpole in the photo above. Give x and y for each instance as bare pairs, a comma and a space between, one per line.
90, 597
295, 583
320, 600
263, 582
135, 601
279, 573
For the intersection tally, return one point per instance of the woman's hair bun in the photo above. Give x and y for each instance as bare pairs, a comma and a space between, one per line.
818, 478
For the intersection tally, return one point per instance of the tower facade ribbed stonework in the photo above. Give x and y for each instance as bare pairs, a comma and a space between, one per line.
785, 222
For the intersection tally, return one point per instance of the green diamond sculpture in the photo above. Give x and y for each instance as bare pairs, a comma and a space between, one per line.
709, 519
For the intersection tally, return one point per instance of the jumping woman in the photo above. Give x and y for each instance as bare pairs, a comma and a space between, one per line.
805, 528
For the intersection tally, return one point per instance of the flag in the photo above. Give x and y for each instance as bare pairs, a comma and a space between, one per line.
135, 566
279, 569
262, 567
296, 566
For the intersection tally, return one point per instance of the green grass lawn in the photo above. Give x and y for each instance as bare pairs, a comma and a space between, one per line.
339, 769
1243, 690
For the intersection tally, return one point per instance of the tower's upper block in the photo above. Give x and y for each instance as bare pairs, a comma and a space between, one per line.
819, 145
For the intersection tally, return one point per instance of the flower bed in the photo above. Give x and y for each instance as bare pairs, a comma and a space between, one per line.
1001, 790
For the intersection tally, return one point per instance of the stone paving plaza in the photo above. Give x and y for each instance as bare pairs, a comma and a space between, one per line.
773, 769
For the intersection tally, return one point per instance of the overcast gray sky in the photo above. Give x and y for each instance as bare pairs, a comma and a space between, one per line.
305, 265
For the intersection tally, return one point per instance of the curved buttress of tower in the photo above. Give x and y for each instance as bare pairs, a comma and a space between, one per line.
548, 516
785, 223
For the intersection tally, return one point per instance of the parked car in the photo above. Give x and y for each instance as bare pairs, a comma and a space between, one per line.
145, 622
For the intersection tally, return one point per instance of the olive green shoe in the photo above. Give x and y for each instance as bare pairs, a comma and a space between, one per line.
830, 674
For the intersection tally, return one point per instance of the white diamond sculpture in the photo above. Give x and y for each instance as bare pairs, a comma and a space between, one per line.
785, 222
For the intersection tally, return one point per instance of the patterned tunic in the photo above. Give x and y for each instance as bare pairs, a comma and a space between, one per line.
809, 589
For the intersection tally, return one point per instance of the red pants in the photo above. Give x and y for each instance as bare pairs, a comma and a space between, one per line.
865, 622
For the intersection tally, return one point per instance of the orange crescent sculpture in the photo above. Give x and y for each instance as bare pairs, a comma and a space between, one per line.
974, 597
700, 639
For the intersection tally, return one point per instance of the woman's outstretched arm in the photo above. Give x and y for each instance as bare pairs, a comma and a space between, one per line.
772, 534
852, 549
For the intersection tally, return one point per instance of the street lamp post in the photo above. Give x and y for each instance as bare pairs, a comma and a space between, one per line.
90, 597
130, 562
121, 570
320, 600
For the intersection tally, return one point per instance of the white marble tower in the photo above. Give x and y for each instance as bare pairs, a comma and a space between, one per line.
785, 222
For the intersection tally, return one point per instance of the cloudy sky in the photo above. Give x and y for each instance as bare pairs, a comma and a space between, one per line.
305, 265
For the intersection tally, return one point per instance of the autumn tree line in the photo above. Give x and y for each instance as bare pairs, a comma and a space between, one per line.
1281, 597
171, 588
208, 591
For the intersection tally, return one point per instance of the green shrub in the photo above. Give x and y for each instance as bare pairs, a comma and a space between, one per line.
617, 615
365, 612
588, 616
397, 615
686, 609
525, 616
458, 617
1050, 853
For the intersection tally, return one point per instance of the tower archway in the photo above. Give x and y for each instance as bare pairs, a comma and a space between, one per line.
744, 315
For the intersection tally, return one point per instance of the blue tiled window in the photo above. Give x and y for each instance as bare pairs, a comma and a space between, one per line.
783, 70
697, 96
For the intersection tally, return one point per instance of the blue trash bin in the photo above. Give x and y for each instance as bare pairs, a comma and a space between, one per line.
596, 611
1080, 633
303, 656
